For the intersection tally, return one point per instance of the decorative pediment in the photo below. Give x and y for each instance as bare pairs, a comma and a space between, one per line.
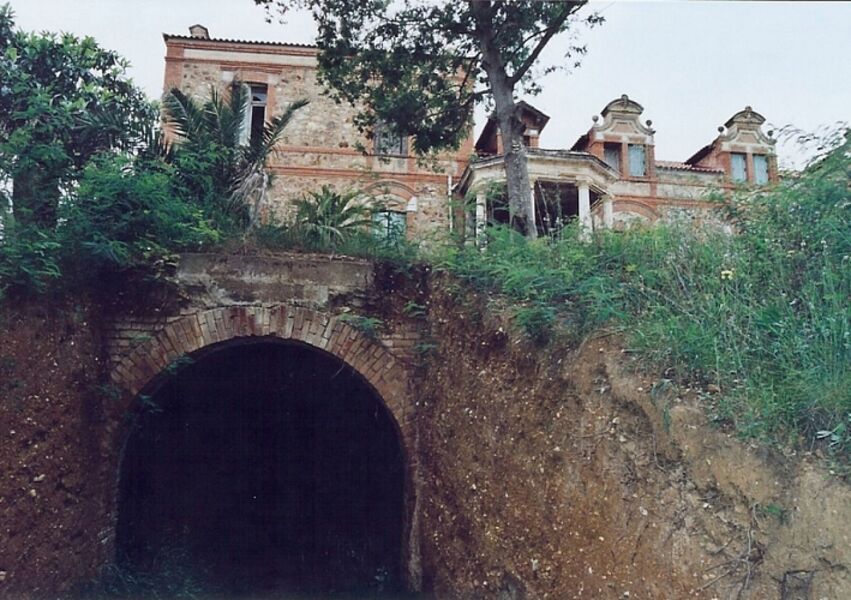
745, 128
622, 117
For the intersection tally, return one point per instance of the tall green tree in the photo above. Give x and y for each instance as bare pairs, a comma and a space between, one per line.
63, 99
421, 66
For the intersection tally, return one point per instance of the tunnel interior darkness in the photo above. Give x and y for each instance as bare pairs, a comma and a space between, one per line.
265, 467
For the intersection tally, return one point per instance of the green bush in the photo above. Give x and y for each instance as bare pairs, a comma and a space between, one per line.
125, 216
29, 257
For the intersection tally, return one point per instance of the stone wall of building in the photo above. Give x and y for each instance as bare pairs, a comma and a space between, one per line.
321, 145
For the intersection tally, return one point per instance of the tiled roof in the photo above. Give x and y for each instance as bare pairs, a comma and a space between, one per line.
679, 166
171, 36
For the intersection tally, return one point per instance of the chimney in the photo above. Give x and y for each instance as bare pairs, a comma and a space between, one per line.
199, 31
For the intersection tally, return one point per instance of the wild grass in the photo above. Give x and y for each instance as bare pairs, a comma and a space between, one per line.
763, 313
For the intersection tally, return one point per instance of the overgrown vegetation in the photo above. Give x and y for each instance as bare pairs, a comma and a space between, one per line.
763, 316
89, 188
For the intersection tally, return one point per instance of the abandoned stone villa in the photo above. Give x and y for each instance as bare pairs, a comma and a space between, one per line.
609, 177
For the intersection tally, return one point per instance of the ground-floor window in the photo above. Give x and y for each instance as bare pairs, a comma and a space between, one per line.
389, 226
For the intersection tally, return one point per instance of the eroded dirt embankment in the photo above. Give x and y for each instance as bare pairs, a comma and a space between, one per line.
544, 473
550, 473
53, 462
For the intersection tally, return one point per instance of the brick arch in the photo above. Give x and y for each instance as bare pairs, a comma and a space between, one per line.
325, 332
370, 358
637, 207
392, 187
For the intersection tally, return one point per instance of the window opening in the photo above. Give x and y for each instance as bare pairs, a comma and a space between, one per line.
760, 169
612, 156
254, 116
637, 160
389, 226
387, 142
739, 167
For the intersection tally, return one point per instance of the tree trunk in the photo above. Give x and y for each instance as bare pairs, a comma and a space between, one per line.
520, 207
517, 175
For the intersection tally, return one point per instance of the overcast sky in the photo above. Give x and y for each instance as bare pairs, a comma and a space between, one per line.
690, 64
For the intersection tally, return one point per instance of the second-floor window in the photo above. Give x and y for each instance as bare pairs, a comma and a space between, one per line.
612, 156
738, 167
637, 160
254, 117
760, 169
388, 143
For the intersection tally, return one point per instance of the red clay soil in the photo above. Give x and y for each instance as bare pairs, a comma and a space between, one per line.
545, 472
557, 473
50, 413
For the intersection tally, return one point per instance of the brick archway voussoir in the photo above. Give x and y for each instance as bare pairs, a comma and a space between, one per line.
190, 333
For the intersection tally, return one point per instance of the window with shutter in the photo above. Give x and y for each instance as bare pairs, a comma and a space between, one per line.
612, 156
254, 114
760, 169
739, 167
637, 160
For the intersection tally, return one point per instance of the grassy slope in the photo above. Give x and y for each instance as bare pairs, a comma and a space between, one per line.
764, 315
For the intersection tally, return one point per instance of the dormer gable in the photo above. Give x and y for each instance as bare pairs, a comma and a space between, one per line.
621, 139
490, 140
621, 122
742, 150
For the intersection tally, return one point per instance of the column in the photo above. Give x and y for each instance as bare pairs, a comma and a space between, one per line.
534, 208
481, 216
585, 225
608, 212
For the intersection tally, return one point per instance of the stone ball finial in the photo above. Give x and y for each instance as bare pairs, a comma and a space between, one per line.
720, 129
649, 123
770, 133
595, 118
624, 97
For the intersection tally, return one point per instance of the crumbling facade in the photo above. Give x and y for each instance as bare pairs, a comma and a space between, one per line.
609, 178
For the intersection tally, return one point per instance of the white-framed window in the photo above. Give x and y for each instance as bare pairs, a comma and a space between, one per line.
637, 160
760, 169
389, 226
612, 156
254, 113
388, 143
739, 167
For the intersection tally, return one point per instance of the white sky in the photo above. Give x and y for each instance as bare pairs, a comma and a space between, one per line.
690, 64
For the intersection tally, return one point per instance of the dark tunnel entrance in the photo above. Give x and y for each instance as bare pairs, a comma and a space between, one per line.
260, 469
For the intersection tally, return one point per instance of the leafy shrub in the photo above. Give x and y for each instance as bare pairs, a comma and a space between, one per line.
125, 216
327, 219
28, 257
369, 326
